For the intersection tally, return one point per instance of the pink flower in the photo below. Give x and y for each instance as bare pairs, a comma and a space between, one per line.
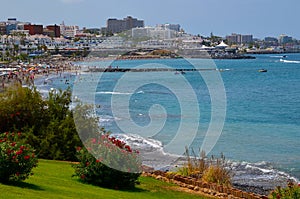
94, 140
78, 148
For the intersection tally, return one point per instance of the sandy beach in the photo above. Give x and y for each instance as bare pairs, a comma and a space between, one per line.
26, 73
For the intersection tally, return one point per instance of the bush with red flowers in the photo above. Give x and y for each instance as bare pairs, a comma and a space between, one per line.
16, 158
108, 162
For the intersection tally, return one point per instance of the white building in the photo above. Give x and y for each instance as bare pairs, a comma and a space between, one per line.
68, 31
141, 32
153, 33
175, 27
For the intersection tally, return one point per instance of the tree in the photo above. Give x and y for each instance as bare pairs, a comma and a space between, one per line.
47, 123
15, 49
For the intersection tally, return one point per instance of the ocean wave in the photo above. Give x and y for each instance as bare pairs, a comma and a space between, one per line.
223, 69
112, 93
260, 174
140, 92
118, 93
289, 61
140, 143
107, 119
152, 152
278, 56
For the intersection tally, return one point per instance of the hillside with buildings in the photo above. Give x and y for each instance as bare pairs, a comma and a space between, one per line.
127, 35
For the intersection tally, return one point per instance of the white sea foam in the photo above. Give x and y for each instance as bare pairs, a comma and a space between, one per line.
107, 119
260, 174
152, 152
289, 61
118, 93
277, 56
139, 142
113, 93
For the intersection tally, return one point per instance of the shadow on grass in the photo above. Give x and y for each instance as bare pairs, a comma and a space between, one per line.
134, 190
24, 185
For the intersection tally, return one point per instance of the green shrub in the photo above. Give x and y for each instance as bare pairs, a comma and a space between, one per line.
16, 158
292, 191
194, 166
116, 166
48, 124
217, 174
212, 170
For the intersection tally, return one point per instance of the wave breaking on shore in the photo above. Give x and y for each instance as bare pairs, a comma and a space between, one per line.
259, 177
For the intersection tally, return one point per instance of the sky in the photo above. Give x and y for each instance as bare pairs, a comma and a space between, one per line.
260, 18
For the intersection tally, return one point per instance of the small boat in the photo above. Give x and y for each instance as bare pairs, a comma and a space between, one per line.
182, 72
262, 70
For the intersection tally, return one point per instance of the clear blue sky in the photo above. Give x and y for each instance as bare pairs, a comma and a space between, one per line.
222, 17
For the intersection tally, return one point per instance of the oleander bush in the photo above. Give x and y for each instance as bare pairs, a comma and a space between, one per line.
292, 191
108, 162
17, 159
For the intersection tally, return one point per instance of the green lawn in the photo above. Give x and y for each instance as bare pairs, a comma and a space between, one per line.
53, 179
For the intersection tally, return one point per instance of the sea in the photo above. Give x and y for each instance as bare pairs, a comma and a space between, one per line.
221, 106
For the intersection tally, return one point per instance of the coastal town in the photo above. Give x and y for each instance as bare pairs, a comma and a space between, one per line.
26, 40
28, 49
35, 56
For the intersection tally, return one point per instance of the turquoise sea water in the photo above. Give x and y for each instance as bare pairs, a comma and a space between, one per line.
262, 120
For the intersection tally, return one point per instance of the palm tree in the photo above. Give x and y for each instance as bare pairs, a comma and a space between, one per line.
15, 49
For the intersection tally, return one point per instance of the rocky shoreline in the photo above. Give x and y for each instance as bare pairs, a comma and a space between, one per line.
208, 189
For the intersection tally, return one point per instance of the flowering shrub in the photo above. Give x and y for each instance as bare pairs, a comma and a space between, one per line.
108, 162
16, 158
292, 191
47, 123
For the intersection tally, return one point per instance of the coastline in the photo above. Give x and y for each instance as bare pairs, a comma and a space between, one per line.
259, 177
244, 182
26, 73
155, 157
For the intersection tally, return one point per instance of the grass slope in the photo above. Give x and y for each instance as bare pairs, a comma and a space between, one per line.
53, 179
